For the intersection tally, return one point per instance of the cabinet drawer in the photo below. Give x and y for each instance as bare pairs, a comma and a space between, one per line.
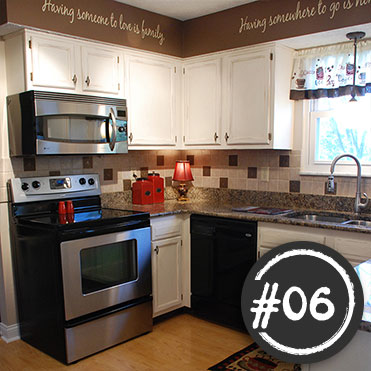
165, 227
354, 250
273, 237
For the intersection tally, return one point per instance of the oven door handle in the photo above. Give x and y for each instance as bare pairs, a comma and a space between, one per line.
89, 231
112, 141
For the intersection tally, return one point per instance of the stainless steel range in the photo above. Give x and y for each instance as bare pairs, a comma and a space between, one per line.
83, 279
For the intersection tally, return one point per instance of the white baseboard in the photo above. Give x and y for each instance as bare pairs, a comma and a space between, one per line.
9, 333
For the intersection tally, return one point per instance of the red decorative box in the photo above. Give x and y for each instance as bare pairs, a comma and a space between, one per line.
158, 187
142, 192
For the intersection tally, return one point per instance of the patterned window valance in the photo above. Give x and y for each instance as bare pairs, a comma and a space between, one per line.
328, 71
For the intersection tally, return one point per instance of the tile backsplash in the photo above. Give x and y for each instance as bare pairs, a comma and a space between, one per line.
254, 170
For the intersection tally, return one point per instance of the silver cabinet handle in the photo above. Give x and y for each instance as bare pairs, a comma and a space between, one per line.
87, 81
216, 136
131, 137
226, 137
157, 250
248, 235
74, 79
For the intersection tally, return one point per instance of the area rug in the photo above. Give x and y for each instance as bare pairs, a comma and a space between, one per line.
254, 358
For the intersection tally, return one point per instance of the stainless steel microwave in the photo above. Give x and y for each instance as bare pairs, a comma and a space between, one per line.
49, 123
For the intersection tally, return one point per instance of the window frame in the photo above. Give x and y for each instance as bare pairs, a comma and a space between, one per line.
308, 165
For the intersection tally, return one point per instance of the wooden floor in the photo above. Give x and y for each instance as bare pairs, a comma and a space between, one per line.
181, 343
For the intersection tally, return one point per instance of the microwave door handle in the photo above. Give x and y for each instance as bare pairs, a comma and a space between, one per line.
112, 141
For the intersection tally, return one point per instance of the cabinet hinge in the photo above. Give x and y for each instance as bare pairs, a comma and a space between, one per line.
271, 56
31, 76
269, 136
30, 44
118, 85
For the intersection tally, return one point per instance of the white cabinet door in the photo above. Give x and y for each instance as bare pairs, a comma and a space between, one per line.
100, 70
355, 251
202, 102
151, 101
248, 98
166, 274
53, 63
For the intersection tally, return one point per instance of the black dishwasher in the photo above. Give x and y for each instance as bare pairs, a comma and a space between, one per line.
222, 253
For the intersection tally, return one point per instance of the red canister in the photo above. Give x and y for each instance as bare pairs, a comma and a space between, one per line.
158, 187
142, 192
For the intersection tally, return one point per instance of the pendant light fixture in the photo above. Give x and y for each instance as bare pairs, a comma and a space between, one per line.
355, 36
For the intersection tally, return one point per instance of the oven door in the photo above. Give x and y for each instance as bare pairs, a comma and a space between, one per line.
105, 270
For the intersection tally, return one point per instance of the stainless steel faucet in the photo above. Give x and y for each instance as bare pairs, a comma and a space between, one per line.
331, 184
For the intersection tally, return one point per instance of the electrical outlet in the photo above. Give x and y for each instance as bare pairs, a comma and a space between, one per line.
264, 174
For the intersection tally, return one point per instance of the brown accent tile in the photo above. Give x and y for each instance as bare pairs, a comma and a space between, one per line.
87, 162
294, 186
108, 174
206, 170
252, 172
223, 182
126, 184
284, 161
144, 172
328, 193
191, 159
168, 181
233, 160
160, 160
54, 173
29, 164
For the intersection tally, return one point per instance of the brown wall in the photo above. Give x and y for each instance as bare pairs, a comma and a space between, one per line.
220, 31
253, 23
30, 13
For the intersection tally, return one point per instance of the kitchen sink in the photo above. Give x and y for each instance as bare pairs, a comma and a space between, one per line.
360, 223
319, 218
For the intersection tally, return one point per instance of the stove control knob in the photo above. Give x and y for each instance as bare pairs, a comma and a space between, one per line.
25, 186
36, 184
91, 181
82, 181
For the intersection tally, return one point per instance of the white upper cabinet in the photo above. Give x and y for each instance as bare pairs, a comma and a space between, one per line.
247, 98
258, 112
151, 90
53, 63
58, 63
202, 102
100, 70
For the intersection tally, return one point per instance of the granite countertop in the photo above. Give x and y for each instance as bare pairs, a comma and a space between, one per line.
224, 209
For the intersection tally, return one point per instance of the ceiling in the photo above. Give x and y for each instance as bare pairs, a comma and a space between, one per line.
185, 9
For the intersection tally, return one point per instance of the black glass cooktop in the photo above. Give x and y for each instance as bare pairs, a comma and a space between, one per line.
99, 216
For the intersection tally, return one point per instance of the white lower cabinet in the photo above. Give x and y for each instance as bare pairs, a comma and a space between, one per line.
355, 247
170, 263
166, 278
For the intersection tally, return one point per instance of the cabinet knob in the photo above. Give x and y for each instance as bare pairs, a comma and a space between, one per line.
87, 81
131, 137
226, 137
157, 250
216, 136
74, 79
248, 235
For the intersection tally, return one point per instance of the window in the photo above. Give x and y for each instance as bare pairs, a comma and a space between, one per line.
335, 126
